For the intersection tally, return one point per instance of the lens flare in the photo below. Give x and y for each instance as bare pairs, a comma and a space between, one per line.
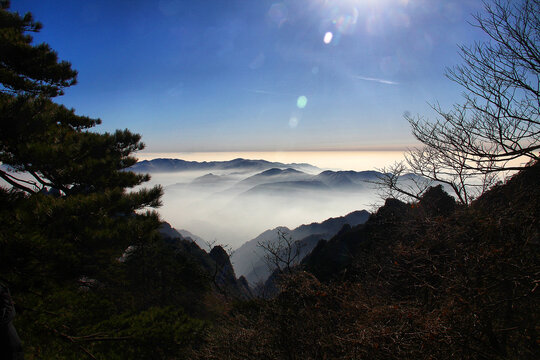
328, 37
293, 122
345, 21
301, 102
278, 14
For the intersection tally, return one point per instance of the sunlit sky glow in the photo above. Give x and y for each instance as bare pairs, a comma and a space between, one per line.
244, 75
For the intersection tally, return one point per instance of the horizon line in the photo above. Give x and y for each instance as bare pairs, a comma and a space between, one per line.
313, 150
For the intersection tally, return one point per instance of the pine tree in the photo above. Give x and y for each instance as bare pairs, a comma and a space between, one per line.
68, 212
56, 169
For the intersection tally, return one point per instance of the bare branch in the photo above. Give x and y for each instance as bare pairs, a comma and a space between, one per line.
281, 254
12, 181
497, 128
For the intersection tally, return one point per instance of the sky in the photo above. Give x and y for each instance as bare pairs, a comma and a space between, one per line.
257, 75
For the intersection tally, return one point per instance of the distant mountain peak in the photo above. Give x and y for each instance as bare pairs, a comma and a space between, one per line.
271, 172
206, 178
278, 171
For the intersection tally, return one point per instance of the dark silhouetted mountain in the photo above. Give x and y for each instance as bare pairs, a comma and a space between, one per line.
216, 263
330, 258
244, 287
436, 202
332, 225
427, 279
249, 258
224, 273
197, 239
169, 232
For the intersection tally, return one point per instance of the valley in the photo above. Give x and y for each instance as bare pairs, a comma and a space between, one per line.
232, 202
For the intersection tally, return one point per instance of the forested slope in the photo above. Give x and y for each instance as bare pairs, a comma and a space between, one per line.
418, 281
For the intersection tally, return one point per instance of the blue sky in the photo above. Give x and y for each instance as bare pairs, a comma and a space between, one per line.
256, 75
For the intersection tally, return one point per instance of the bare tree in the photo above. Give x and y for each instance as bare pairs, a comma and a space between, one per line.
497, 128
429, 166
398, 182
281, 254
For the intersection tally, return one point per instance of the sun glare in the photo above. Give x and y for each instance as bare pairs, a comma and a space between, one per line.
373, 3
345, 17
328, 37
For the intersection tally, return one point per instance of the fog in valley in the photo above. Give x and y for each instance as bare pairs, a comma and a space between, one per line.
233, 206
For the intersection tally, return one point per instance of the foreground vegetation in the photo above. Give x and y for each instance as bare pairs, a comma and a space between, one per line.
90, 275
427, 280
67, 215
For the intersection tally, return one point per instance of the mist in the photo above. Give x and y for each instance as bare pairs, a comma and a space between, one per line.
227, 209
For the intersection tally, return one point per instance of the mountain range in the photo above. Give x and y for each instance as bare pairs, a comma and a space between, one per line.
216, 263
175, 165
248, 259
232, 201
248, 262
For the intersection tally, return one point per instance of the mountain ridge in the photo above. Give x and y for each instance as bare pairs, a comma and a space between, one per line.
176, 165
248, 258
